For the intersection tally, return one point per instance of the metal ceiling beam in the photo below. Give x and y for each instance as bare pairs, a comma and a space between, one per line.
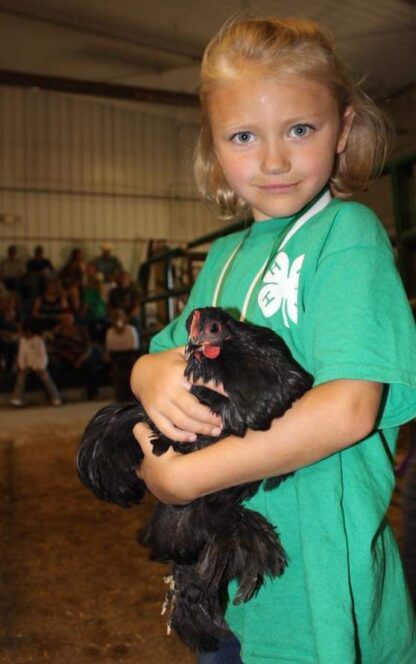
117, 36
97, 89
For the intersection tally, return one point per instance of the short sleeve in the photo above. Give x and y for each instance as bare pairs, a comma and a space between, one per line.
359, 325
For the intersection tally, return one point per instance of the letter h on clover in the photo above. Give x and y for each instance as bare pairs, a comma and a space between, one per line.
281, 289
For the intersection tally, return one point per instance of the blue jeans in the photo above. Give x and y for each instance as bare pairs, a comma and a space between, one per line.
409, 518
227, 653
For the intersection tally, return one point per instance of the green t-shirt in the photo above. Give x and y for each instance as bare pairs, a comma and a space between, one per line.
95, 306
331, 290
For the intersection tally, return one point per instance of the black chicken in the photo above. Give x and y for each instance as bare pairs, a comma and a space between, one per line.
213, 539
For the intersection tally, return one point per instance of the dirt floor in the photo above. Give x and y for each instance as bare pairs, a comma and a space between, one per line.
76, 588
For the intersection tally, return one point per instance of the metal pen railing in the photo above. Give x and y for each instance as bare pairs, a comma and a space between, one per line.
170, 293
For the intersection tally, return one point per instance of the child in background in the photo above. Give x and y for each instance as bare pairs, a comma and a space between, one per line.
10, 315
285, 137
32, 356
122, 348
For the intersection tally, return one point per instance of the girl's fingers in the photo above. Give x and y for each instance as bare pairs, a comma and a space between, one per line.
180, 420
199, 415
183, 429
195, 419
166, 398
142, 433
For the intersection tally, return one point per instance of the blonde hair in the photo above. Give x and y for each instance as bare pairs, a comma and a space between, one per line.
300, 47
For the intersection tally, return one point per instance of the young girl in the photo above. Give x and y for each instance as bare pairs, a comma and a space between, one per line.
32, 356
285, 137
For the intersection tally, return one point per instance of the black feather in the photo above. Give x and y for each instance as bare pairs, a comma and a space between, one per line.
213, 539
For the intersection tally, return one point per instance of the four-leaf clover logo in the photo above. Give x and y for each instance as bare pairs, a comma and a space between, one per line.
281, 289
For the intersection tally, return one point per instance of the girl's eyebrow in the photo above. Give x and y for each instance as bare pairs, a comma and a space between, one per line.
242, 127
236, 128
299, 117
305, 115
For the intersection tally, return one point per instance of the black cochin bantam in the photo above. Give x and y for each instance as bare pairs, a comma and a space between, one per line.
215, 538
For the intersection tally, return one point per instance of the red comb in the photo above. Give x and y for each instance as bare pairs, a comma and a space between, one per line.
194, 328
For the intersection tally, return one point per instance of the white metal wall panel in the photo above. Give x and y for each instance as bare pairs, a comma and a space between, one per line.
76, 171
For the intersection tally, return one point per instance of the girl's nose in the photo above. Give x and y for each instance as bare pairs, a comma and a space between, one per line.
275, 159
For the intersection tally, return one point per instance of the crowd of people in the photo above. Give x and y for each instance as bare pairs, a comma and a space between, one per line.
82, 317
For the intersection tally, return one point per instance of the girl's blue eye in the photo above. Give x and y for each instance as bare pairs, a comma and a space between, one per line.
301, 130
242, 137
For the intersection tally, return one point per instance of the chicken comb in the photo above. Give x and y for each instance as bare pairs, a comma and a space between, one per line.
194, 327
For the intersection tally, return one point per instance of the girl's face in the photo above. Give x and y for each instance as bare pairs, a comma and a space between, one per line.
276, 140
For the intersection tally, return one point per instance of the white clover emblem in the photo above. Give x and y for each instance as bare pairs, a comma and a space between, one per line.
281, 289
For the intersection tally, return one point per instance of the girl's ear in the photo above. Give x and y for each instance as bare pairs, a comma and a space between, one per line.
346, 124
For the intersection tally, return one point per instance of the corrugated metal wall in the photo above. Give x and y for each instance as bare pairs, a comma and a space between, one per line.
76, 171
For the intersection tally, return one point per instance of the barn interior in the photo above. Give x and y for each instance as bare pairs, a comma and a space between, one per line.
99, 116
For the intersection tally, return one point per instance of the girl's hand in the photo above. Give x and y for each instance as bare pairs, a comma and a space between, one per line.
158, 381
158, 473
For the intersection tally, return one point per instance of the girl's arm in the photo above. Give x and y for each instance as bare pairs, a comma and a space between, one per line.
327, 419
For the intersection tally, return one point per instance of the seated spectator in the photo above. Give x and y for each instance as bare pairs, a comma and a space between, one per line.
9, 331
70, 347
108, 264
94, 307
71, 277
125, 295
49, 306
74, 269
122, 348
73, 295
32, 356
12, 269
39, 269
121, 335
4, 293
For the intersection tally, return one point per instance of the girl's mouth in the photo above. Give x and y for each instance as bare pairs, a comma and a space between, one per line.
277, 187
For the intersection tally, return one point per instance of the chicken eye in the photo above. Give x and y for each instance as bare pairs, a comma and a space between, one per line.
214, 328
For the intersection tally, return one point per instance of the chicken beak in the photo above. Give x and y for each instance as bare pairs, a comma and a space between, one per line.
191, 348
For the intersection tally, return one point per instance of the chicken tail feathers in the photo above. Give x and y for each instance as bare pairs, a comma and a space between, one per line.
109, 455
